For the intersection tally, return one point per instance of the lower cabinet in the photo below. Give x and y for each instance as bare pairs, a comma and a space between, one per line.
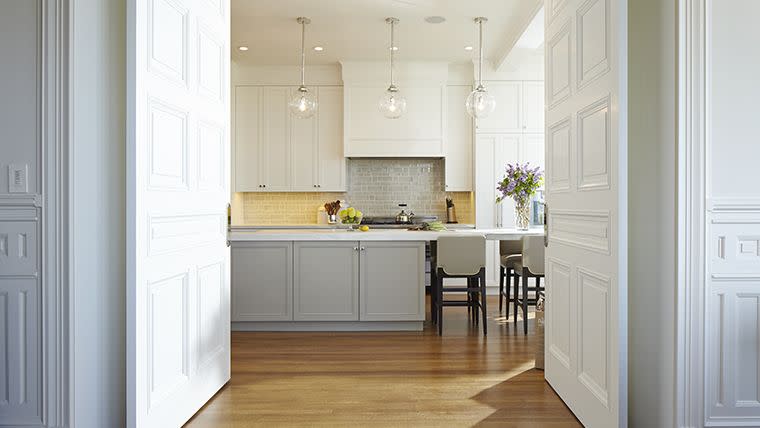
392, 283
262, 281
326, 281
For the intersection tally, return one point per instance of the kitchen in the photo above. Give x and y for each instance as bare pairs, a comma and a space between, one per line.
398, 172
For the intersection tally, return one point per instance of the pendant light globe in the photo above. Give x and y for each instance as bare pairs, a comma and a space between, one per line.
392, 103
303, 103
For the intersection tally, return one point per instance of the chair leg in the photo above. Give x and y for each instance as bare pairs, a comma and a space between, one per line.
483, 299
525, 299
508, 289
433, 294
439, 303
502, 277
516, 299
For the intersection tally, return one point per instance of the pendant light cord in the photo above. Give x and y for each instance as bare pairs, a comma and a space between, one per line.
480, 20
303, 52
480, 54
393, 24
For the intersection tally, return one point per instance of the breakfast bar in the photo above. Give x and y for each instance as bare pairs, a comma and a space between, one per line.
335, 279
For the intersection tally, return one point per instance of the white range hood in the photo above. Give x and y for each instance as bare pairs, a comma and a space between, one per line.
420, 132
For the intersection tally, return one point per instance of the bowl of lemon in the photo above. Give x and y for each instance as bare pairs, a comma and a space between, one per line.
351, 216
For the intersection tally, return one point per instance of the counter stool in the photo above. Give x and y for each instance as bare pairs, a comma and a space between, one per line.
510, 252
531, 266
461, 257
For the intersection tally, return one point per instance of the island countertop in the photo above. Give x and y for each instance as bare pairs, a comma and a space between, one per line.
237, 235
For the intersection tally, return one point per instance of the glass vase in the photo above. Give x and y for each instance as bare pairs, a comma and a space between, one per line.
522, 215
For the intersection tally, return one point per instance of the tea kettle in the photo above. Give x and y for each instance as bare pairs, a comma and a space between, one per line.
403, 217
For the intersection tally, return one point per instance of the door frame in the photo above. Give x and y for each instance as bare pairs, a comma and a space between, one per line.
54, 30
692, 225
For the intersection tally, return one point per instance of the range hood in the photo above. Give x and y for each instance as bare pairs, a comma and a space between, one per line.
419, 133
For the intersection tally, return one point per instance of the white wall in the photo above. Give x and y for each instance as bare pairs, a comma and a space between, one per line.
732, 306
733, 94
98, 97
19, 139
652, 197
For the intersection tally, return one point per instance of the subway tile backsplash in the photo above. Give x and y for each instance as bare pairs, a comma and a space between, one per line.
375, 186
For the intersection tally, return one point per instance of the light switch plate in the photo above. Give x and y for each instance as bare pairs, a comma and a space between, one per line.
18, 178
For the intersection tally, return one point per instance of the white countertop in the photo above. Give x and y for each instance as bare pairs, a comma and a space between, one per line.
237, 235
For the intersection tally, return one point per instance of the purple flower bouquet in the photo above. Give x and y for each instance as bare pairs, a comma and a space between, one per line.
520, 183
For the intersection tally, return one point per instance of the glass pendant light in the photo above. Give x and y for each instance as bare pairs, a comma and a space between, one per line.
480, 103
392, 104
303, 104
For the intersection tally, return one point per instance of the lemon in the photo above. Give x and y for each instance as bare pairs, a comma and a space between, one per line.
358, 213
351, 212
343, 213
364, 228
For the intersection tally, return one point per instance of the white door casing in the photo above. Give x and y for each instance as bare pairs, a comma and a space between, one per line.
178, 347
586, 258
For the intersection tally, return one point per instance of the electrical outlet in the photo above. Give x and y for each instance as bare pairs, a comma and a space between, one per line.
17, 178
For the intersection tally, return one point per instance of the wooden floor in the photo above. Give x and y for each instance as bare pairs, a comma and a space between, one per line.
388, 380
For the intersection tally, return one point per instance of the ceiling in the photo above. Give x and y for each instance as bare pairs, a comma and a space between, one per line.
356, 29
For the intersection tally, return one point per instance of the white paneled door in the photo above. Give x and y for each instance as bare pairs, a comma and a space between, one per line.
178, 347
586, 345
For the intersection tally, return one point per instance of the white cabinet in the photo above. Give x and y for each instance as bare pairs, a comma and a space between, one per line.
331, 164
304, 152
459, 136
507, 117
247, 138
326, 278
533, 107
519, 107
276, 152
262, 281
275, 146
392, 285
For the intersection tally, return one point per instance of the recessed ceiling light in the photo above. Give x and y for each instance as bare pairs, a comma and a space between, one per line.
435, 19
468, 48
242, 48
319, 48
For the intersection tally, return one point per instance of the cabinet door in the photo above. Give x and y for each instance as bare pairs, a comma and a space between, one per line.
262, 281
392, 285
532, 149
507, 117
275, 139
533, 107
303, 140
247, 144
326, 281
458, 141
331, 175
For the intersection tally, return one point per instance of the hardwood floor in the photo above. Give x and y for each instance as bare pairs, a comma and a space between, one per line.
388, 379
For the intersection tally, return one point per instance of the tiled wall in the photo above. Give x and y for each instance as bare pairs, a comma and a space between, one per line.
376, 187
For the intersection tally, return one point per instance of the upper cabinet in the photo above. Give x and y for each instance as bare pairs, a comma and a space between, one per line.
458, 141
276, 152
519, 107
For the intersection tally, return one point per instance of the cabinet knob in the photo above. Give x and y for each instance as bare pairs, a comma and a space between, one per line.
356, 248
363, 248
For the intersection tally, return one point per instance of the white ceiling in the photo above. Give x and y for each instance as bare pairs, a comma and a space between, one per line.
356, 29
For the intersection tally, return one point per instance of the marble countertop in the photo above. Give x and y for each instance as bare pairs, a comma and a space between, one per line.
330, 234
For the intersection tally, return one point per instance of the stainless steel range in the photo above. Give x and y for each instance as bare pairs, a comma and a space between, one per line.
389, 222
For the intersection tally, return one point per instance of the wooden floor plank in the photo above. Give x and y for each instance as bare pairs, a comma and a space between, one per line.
380, 379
